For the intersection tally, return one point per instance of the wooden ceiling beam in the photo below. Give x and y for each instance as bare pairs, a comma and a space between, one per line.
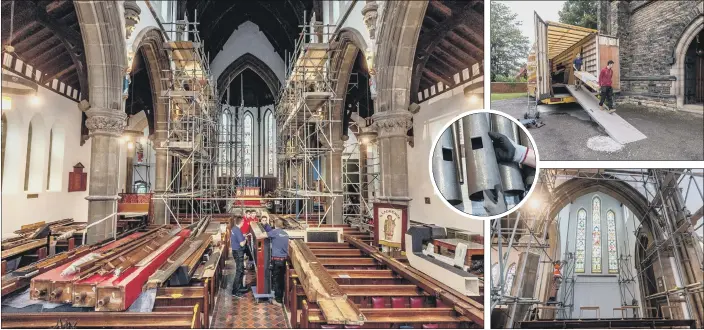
459, 53
44, 56
436, 78
448, 58
71, 39
429, 41
441, 67
478, 51
57, 74
56, 4
441, 7
43, 47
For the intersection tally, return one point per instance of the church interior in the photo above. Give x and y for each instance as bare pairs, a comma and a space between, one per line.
602, 248
139, 136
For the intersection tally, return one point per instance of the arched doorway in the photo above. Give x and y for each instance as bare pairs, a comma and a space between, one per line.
689, 68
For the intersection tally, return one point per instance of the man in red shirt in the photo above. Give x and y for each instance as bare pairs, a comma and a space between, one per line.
607, 92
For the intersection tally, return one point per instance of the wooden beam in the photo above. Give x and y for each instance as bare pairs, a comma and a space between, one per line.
99, 319
337, 252
321, 288
476, 50
430, 40
437, 78
70, 38
347, 261
465, 57
399, 315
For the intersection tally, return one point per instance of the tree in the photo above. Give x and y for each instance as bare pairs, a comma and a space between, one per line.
509, 47
580, 13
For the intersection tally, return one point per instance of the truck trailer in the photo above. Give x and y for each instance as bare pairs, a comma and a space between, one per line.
550, 60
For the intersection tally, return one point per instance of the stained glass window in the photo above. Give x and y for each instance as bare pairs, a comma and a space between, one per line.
611, 232
581, 241
596, 235
248, 136
271, 142
495, 274
225, 142
510, 274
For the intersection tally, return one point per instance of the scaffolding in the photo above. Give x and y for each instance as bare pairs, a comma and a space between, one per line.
360, 177
664, 191
306, 140
190, 145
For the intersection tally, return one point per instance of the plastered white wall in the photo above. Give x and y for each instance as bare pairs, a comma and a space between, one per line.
427, 124
55, 111
247, 38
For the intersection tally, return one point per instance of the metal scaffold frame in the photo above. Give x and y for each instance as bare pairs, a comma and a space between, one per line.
190, 145
662, 188
305, 118
356, 208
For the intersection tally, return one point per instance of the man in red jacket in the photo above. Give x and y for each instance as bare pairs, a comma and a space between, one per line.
607, 92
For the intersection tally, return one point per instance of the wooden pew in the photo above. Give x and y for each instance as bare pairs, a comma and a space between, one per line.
351, 262
382, 317
337, 253
183, 299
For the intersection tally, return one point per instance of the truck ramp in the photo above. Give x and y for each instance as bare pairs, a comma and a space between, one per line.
618, 128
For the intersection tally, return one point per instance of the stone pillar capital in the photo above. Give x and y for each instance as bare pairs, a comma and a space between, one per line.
392, 123
106, 121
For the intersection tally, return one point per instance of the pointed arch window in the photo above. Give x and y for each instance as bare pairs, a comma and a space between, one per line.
611, 241
495, 274
248, 143
596, 235
4, 142
225, 151
271, 142
580, 251
510, 275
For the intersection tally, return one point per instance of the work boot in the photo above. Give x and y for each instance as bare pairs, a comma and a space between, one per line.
601, 107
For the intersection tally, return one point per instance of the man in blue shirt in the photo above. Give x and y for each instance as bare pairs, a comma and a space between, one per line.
238, 242
279, 253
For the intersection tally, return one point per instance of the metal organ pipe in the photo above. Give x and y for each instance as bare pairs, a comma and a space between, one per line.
482, 168
456, 138
511, 177
528, 172
444, 168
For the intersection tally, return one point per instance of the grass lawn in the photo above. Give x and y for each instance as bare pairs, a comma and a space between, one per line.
506, 96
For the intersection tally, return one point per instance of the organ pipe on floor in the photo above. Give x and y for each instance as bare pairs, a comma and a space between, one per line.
483, 176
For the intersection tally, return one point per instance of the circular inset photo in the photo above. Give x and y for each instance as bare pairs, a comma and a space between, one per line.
483, 164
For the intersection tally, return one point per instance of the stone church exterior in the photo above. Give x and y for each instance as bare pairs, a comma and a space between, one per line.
661, 51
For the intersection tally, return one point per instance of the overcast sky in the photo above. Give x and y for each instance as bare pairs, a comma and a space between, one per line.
547, 10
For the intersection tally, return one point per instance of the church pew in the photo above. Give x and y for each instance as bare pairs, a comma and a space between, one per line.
328, 245
185, 298
351, 262
383, 317
337, 253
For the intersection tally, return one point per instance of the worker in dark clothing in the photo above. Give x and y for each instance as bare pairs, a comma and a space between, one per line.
279, 254
607, 92
238, 241
577, 66
248, 218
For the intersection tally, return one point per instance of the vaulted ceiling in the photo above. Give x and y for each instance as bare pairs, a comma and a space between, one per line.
47, 36
278, 20
451, 39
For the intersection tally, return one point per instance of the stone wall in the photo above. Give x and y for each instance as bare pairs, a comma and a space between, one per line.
648, 33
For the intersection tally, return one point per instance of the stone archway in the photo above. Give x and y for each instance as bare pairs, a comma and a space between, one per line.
399, 28
350, 42
639, 206
103, 36
248, 61
150, 43
680, 53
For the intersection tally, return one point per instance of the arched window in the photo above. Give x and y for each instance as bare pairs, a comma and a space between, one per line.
4, 141
34, 162
611, 241
225, 138
495, 274
510, 274
580, 251
596, 235
54, 173
28, 158
270, 126
248, 143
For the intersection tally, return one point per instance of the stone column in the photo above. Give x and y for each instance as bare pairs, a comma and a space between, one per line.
160, 182
333, 177
364, 189
392, 127
106, 126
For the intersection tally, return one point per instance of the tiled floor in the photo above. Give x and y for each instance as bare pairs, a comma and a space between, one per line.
244, 312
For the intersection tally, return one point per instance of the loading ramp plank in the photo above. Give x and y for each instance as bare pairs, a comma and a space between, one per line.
618, 128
